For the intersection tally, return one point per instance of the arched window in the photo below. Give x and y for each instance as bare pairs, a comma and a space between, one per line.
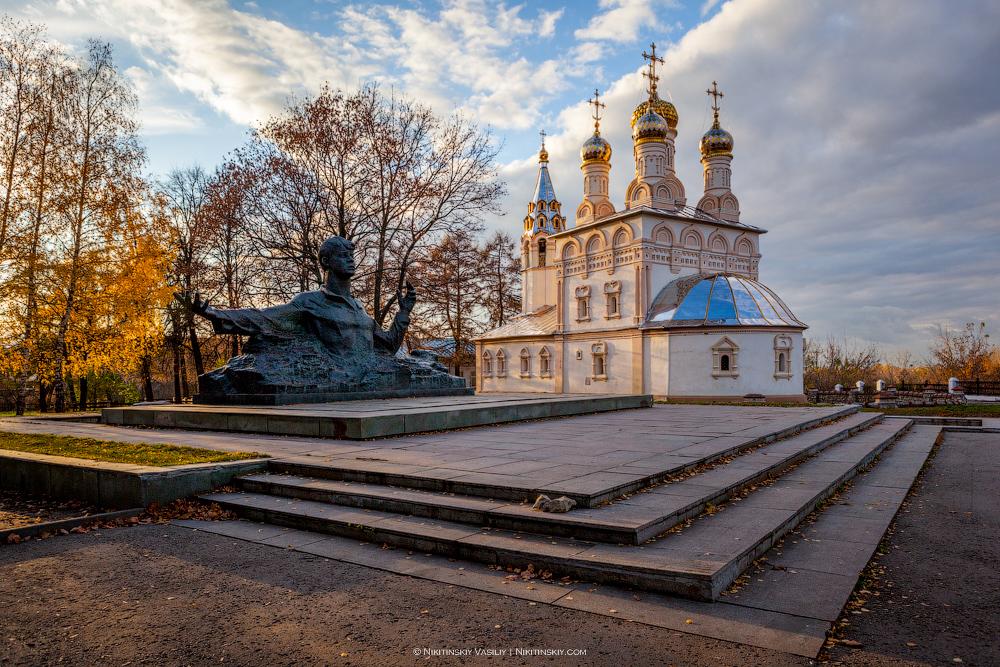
487, 364
501, 364
594, 245
541, 252
783, 357
583, 303
599, 352
612, 294
525, 363
725, 358
545, 363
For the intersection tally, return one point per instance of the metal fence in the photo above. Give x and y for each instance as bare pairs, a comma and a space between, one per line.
979, 387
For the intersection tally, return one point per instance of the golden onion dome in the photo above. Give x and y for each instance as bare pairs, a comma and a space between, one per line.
716, 141
663, 108
650, 126
595, 149
543, 155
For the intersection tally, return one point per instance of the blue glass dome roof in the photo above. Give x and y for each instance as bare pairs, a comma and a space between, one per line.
719, 299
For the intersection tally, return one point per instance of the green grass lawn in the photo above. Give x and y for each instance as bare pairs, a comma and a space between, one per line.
117, 452
981, 410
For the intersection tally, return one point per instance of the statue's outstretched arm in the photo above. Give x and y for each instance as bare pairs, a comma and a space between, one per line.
390, 340
223, 321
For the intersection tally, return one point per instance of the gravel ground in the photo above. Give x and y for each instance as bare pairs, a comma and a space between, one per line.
165, 595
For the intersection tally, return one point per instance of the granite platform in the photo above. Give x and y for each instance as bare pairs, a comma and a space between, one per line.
376, 418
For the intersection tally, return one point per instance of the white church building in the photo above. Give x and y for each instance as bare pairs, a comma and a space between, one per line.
656, 298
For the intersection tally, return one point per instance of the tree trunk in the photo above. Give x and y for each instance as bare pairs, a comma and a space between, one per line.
83, 394
177, 371
236, 346
185, 389
199, 365
72, 393
43, 397
147, 379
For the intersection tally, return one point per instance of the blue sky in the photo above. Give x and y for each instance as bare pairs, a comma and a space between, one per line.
866, 133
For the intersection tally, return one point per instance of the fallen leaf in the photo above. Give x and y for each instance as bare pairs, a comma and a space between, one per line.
851, 643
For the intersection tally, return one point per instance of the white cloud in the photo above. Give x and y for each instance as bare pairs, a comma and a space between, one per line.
547, 22
464, 57
708, 6
865, 142
622, 20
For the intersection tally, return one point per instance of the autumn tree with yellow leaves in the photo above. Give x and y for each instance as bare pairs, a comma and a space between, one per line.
83, 246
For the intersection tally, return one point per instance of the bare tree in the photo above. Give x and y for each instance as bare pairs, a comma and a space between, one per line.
285, 205
501, 272
450, 304
965, 353
184, 190
234, 267
840, 362
426, 178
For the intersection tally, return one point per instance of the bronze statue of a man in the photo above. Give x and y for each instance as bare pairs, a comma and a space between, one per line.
322, 345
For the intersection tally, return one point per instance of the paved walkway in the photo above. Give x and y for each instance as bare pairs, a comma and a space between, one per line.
573, 440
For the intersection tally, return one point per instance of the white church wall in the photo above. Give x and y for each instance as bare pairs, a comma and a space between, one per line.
621, 363
599, 319
539, 288
658, 362
513, 378
694, 371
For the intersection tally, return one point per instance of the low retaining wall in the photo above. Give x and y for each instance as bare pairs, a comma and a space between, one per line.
887, 399
115, 485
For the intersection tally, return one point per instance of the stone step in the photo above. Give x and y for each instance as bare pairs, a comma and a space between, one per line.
632, 522
588, 491
698, 561
732, 538
375, 418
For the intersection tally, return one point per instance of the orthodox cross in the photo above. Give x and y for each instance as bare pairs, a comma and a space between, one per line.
714, 92
598, 105
651, 74
542, 132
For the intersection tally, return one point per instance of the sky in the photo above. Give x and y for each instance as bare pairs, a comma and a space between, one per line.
865, 133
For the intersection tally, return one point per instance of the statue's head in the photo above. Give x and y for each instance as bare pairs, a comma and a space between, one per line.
337, 256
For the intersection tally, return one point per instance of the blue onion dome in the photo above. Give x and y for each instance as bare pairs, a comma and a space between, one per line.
719, 299
650, 126
595, 149
716, 141
663, 108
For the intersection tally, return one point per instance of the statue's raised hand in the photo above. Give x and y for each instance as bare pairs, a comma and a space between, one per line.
193, 302
407, 302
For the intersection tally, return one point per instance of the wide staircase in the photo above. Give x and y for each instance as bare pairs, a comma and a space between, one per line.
691, 529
